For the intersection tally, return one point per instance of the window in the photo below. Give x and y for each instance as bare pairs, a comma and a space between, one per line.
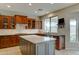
50, 24
47, 25
54, 26
73, 30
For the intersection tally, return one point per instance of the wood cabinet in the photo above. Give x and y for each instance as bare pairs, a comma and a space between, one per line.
8, 41
21, 19
7, 22
24, 20
1, 22
60, 42
29, 23
33, 24
38, 24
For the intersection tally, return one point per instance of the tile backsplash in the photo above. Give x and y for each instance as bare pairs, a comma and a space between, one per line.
20, 28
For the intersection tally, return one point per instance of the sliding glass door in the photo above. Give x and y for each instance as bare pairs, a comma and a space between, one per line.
50, 25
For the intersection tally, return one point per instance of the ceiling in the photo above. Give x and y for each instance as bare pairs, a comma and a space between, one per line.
36, 9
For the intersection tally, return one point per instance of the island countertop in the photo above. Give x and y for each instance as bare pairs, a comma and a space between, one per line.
37, 39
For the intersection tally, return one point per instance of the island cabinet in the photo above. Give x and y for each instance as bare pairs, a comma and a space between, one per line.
37, 46
45, 48
27, 47
8, 41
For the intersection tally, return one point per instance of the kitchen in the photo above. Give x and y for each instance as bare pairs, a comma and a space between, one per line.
15, 33
27, 34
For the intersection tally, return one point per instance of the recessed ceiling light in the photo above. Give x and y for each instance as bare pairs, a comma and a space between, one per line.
51, 3
36, 12
8, 6
47, 12
30, 4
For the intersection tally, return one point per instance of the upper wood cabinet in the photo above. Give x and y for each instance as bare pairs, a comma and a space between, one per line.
24, 19
7, 22
33, 24
1, 21
38, 24
29, 23
21, 19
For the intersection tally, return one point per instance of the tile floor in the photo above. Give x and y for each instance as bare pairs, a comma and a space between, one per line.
66, 52
10, 51
16, 51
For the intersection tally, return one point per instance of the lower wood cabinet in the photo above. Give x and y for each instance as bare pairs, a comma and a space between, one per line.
26, 47
8, 41
60, 42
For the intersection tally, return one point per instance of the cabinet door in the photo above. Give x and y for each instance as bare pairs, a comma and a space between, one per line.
8, 41
29, 22
4, 42
14, 40
21, 19
45, 48
33, 24
27, 48
12, 23
38, 24
24, 20
40, 49
18, 19
33, 49
57, 42
8, 20
1, 24
51, 47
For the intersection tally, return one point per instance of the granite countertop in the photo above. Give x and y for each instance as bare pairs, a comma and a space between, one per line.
25, 32
36, 39
6, 32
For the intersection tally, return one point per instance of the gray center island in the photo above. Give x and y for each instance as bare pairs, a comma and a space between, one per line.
37, 45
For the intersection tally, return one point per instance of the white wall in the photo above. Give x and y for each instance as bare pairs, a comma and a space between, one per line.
67, 14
